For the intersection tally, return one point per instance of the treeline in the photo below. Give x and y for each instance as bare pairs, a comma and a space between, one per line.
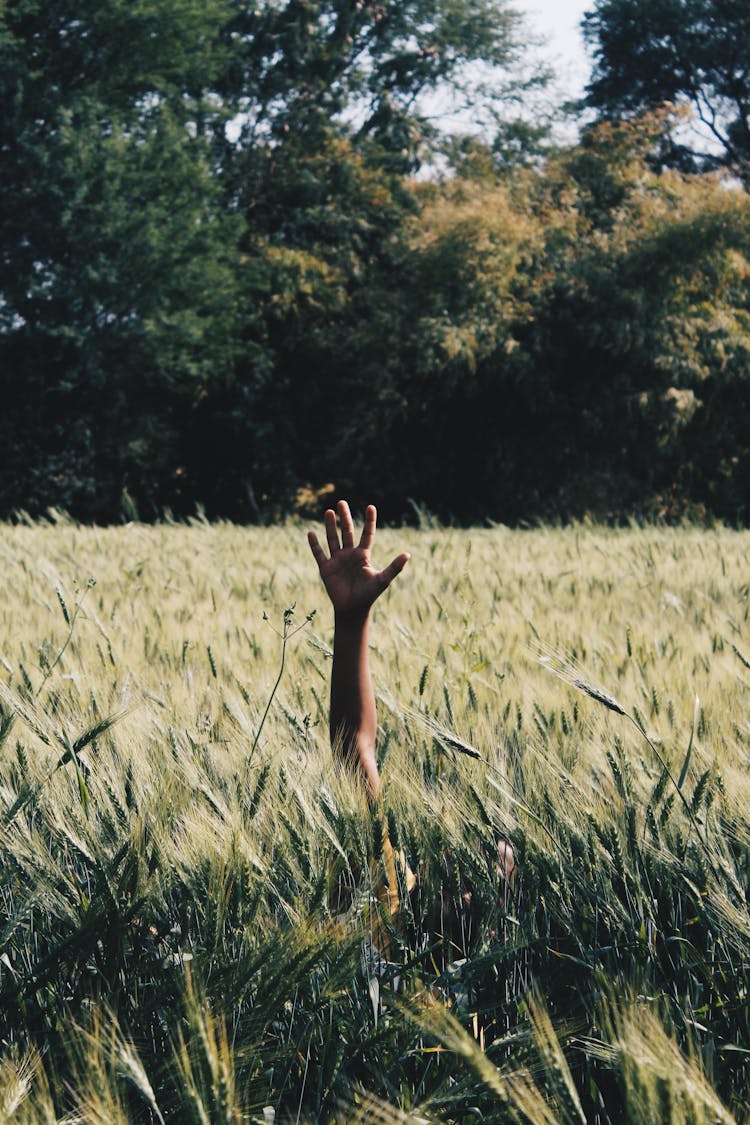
223, 283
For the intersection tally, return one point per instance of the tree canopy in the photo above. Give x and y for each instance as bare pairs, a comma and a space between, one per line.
647, 52
222, 282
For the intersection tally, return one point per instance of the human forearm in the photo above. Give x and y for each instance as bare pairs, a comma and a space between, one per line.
353, 716
353, 584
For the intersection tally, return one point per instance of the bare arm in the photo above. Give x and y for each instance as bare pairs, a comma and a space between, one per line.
353, 585
353, 717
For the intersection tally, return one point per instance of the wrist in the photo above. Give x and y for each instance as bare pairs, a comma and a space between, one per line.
353, 620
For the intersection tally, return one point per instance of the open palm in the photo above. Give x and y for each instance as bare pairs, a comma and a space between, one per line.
350, 579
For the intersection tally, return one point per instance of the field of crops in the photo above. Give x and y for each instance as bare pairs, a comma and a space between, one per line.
187, 887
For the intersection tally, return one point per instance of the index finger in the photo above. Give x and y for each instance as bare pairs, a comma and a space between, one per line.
368, 531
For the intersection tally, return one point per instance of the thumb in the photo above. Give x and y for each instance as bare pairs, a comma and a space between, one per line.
393, 569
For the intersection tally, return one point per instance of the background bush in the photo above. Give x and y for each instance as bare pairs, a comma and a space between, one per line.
222, 280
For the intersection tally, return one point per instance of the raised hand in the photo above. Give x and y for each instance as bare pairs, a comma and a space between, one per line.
350, 579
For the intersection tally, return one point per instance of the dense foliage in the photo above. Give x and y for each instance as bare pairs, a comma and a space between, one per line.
187, 893
647, 52
223, 284
542, 344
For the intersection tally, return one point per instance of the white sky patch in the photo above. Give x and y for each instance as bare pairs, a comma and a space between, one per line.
554, 28
552, 32
558, 21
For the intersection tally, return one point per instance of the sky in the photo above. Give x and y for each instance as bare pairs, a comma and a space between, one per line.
557, 21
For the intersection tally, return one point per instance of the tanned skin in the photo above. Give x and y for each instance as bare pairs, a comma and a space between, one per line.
353, 584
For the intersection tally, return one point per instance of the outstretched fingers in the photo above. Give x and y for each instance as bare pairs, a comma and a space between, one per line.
393, 569
332, 534
318, 553
347, 524
368, 531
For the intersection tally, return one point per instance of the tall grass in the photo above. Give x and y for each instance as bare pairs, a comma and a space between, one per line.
188, 881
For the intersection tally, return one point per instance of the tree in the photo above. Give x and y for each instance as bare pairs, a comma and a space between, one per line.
362, 63
117, 285
647, 52
202, 202
330, 125
567, 341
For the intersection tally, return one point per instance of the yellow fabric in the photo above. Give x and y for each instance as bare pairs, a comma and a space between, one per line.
388, 894
390, 877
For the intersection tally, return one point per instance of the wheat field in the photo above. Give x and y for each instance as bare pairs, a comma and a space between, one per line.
188, 880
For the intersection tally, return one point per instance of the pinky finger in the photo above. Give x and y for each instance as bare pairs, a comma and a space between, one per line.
318, 553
